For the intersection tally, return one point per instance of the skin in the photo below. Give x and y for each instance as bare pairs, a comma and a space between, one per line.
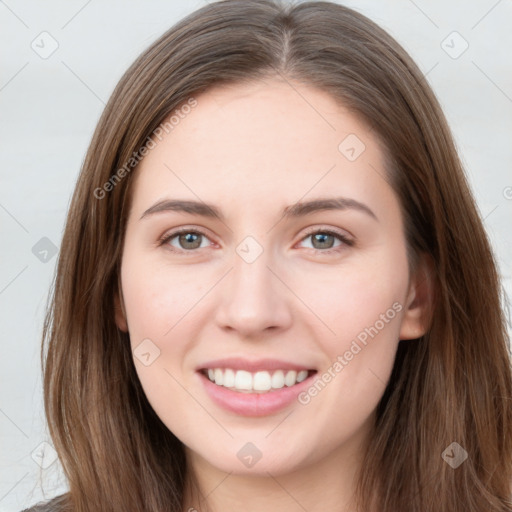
252, 150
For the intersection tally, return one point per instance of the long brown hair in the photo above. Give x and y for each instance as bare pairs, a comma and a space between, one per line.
451, 385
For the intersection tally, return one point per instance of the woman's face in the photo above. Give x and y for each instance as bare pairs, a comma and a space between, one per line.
267, 288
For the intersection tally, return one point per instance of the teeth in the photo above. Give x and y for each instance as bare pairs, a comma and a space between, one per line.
302, 375
262, 381
243, 380
229, 378
278, 379
290, 378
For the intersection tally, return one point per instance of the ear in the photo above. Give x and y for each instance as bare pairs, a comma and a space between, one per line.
119, 312
420, 300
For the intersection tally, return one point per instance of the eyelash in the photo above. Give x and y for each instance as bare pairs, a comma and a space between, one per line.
342, 238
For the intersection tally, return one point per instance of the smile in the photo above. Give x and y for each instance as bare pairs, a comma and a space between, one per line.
255, 382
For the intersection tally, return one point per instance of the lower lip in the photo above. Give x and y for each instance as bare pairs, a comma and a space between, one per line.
253, 404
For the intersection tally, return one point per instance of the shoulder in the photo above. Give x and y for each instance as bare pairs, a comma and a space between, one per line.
58, 504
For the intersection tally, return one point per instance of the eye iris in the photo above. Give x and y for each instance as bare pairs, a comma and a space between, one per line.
321, 237
193, 238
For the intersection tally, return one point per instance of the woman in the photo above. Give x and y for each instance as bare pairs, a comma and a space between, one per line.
274, 288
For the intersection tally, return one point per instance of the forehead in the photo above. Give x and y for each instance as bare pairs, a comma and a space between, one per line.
265, 141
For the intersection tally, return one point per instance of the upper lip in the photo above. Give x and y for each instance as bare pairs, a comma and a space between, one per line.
238, 363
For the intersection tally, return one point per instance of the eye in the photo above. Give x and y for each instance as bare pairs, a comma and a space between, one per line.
187, 240
323, 240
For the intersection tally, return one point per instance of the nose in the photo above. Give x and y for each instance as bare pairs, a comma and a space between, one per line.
254, 301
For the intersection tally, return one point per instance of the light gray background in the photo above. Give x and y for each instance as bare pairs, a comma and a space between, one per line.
48, 111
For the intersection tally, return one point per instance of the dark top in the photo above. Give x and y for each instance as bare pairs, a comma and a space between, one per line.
57, 504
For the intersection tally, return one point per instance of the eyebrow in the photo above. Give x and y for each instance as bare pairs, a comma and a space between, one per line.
297, 210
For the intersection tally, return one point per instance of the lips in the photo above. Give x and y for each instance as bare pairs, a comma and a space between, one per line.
254, 388
238, 363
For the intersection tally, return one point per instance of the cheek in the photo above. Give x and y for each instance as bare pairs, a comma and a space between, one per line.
355, 298
363, 307
160, 304
156, 298
157, 301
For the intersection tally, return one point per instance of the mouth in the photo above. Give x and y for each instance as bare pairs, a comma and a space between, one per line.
258, 382
249, 387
